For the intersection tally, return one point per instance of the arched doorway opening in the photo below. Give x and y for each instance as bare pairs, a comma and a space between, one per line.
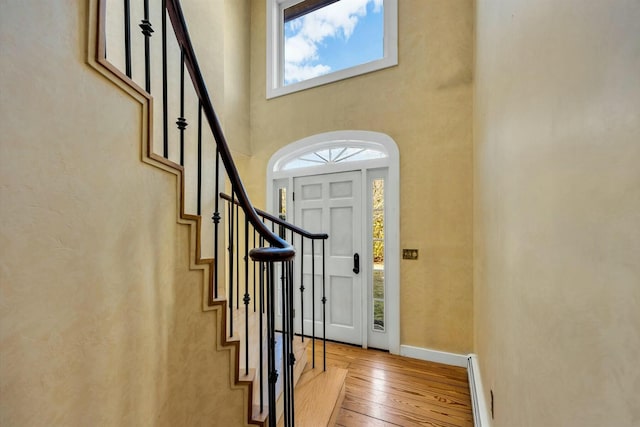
347, 183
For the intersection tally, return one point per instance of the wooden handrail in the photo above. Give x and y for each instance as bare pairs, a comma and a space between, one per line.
280, 249
288, 225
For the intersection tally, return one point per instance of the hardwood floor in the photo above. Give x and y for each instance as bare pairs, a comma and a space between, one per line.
387, 390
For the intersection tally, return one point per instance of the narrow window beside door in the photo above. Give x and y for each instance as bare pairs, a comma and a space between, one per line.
378, 254
282, 210
282, 203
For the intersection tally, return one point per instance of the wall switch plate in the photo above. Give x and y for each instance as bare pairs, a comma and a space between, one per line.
409, 254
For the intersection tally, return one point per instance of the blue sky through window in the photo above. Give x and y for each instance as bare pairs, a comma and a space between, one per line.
342, 35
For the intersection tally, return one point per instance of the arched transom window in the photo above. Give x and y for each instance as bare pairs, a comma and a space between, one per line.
338, 154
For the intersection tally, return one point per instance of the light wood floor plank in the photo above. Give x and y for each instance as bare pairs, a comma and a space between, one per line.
348, 418
408, 381
415, 407
417, 370
419, 399
390, 414
384, 390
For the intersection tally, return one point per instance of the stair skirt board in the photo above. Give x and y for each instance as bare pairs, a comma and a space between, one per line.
478, 402
436, 356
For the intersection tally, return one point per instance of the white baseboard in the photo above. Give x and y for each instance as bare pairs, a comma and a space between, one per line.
434, 355
478, 402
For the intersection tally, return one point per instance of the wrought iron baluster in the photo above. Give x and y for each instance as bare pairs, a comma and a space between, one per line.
237, 236
313, 303
147, 29
254, 273
127, 37
302, 288
165, 82
273, 373
262, 242
231, 228
324, 313
246, 298
182, 121
285, 340
260, 316
216, 222
199, 158
292, 357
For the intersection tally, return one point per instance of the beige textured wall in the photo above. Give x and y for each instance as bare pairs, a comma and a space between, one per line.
237, 65
425, 105
557, 266
100, 317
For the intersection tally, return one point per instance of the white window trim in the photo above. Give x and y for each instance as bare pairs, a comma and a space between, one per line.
275, 54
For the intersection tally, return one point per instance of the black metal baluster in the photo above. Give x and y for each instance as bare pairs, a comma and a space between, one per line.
165, 81
292, 357
246, 298
254, 273
261, 336
216, 222
273, 230
146, 28
273, 373
286, 313
262, 241
231, 227
127, 37
285, 340
324, 314
291, 300
199, 158
181, 122
302, 287
237, 231
313, 304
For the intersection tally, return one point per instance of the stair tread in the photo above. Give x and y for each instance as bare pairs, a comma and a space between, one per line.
258, 415
299, 346
318, 396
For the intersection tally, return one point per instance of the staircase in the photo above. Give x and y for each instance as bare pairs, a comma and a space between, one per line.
249, 262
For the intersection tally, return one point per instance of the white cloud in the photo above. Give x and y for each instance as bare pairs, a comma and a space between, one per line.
336, 20
297, 73
299, 49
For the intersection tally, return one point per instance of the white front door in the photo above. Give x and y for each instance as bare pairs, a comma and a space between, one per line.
332, 204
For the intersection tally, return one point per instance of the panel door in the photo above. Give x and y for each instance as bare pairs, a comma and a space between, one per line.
330, 203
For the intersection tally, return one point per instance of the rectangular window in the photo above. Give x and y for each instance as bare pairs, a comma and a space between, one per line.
315, 42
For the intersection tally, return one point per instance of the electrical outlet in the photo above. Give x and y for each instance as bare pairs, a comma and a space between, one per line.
409, 254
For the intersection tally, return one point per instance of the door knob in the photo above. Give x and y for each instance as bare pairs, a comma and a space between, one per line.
356, 263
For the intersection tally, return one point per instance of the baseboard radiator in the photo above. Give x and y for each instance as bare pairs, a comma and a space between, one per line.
478, 402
